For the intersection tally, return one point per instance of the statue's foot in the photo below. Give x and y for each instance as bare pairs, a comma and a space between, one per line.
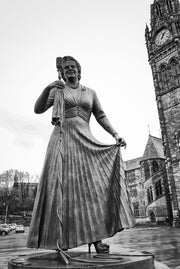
100, 247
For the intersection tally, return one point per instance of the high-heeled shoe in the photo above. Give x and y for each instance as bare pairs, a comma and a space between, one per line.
100, 247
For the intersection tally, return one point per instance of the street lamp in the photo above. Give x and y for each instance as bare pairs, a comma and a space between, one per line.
6, 212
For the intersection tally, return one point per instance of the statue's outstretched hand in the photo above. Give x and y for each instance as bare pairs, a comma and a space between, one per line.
120, 140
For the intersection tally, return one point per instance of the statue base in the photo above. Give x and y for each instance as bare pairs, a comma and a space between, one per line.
83, 260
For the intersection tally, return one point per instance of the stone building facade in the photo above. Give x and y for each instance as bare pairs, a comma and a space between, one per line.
163, 46
135, 185
148, 184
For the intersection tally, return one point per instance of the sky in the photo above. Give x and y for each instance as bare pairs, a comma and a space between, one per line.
107, 38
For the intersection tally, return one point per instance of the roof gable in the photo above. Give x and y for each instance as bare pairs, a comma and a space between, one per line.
154, 149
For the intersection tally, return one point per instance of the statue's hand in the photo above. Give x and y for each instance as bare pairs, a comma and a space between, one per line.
120, 140
56, 84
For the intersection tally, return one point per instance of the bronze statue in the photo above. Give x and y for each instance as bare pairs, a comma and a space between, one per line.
82, 196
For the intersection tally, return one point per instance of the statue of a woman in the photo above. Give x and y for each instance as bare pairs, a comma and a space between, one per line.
82, 196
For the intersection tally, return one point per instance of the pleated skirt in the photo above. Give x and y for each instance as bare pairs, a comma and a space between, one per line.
82, 195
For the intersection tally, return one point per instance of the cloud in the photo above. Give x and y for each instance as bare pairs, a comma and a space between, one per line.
25, 130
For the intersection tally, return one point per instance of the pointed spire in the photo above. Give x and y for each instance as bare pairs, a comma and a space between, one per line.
147, 30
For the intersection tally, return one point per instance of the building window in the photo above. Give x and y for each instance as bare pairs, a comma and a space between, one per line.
133, 192
150, 194
155, 166
146, 171
131, 177
175, 72
165, 77
158, 188
158, 10
169, 5
136, 210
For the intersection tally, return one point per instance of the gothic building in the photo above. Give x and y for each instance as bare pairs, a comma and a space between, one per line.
157, 198
148, 184
163, 46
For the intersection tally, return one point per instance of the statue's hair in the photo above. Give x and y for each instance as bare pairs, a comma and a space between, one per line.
65, 59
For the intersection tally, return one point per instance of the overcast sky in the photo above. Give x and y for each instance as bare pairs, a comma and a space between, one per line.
107, 38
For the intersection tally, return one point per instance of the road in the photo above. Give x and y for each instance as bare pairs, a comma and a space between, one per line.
163, 242
12, 245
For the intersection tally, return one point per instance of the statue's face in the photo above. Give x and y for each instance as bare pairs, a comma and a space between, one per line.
70, 71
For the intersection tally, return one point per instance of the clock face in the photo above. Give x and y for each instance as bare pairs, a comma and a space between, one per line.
162, 37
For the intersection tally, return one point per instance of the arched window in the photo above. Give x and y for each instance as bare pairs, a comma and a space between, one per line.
155, 166
158, 188
158, 10
164, 76
136, 209
169, 5
175, 72
150, 194
146, 170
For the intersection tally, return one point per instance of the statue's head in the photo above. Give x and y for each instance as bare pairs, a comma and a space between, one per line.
60, 65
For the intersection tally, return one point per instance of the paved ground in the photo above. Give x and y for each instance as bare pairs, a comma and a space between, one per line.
163, 242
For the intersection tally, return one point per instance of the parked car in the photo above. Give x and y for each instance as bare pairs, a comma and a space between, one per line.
5, 225
4, 229
20, 229
9, 227
13, 226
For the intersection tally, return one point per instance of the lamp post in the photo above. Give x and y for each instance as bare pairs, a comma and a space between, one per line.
6, 213
6, 205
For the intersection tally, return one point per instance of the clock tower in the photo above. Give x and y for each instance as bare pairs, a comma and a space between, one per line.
163, 46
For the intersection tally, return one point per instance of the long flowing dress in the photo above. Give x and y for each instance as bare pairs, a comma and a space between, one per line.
82, 195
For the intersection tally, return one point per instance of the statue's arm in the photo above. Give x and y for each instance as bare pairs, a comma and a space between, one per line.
104, 122
45, 100
101, 116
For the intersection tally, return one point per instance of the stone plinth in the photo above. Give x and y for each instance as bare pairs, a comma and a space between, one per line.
83, 260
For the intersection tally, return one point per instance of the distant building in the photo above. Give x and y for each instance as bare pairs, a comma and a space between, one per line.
148, 184
135, 185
